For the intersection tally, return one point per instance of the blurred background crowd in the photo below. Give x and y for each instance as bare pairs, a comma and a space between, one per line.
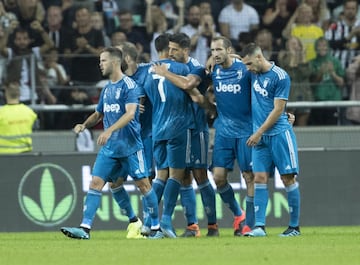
52, 46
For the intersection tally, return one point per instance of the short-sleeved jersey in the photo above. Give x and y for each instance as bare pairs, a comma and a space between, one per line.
146, 117
112, 102
265, 88
200, 115
233, 100
172, 113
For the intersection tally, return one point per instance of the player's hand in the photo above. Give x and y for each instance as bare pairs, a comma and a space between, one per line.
254, 139
159, 68
79, 128
291, 118
103, 138
141, 108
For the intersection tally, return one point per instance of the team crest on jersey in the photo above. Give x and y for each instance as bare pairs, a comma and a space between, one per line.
266, 82
217, 73
239, 74
118, 92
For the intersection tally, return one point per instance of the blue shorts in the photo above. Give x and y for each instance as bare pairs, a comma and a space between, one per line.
148, 150
112, 168
199, 149
226, 150
279, 150
173, 153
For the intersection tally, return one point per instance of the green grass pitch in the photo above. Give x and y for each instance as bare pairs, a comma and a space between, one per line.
316, 245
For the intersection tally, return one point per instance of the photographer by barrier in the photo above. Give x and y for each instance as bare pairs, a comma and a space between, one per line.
44, 192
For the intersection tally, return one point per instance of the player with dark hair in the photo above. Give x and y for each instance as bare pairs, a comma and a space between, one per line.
172, 119
179, 49
273, 139
122, 149
233, 126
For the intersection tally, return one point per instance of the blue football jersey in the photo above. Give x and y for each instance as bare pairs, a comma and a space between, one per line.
200, 115
146, 117
266, 87
233, 100
172, 113
112, 102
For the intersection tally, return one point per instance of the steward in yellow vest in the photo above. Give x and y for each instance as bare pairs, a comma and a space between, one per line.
16, 122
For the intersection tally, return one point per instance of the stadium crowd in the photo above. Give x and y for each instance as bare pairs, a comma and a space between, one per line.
52, 47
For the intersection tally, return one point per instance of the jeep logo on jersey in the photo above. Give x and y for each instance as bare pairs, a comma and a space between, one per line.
259, 89
232, 88
47, 194
111, 108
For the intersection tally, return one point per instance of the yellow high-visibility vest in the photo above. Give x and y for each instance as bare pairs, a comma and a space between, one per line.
16, 123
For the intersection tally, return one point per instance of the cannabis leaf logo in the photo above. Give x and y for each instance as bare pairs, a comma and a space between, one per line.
43, 208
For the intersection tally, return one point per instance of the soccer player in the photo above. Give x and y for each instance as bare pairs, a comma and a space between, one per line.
139, 72
233, 126
179, 49
122, 150
172, 119
273, 139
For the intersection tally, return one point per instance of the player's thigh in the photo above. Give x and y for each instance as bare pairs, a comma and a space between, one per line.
223, 152
160, 154
199, 149
108, 168
178, 151
262, 158
136, 165
244, 154
285, 153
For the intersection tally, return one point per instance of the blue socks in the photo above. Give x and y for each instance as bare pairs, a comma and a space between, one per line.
250, 215
208, 199
293, 194
171, 193
158, 186
122, 198
227, 195
91, 205
152, 207
260, 203
188, 202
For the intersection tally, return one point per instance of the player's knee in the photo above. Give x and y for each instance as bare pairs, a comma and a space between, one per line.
288, 179
248, 177
143, 185
97, 183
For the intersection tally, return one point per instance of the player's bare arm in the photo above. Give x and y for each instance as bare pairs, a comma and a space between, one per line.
120, 123
279, 106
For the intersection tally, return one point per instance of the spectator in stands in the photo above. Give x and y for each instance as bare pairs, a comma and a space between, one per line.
353, 79
134, 34
97, 22
55, 28
108, 9
300, 25
205, 8
16, 122
117, 38
321, 12
193, 22
264, 39
20, 53
237, 17
276, 17
201, 40
344, 34
6, 17
84, 48
157, 24
338, 11
28, 11
328, 80
292, 60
